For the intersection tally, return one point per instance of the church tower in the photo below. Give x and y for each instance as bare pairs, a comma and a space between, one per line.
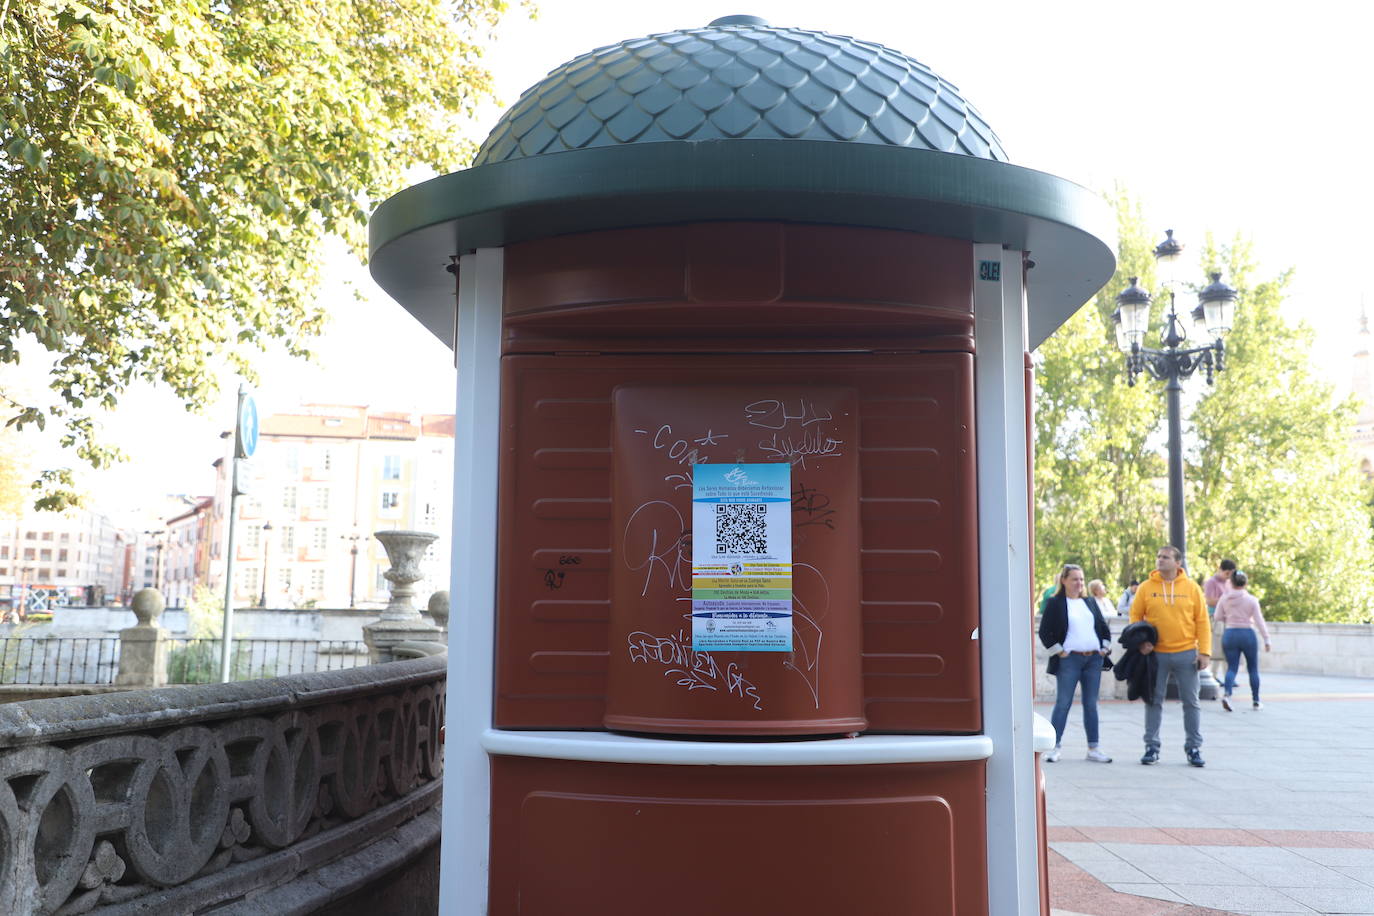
1362, 436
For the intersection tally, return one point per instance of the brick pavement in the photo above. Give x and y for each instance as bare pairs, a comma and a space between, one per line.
1280, 821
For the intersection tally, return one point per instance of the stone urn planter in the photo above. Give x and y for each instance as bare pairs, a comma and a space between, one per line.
400, 621
405, 550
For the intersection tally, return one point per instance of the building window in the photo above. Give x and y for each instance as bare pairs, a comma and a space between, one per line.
248, 579
288, 498
30, 535
288, 538
284, 579
61, 573
391, 500
45, 554
28, 553
391, 467
317, 581
44, 575
47, 535
62, 556
320, 538
252, 536
322, 499
4, 570
5, 552
64, 538
327, 459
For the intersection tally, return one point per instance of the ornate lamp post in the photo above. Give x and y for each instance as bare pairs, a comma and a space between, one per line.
266, 530
353, 566
1211, 319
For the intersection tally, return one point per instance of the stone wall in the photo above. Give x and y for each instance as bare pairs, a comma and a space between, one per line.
262, 623
1332, 649
284, 795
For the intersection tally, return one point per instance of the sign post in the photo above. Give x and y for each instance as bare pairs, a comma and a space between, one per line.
245, 444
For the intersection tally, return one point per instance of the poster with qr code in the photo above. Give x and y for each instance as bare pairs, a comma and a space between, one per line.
742, 557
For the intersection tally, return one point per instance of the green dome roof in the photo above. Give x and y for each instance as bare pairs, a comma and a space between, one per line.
740, 79
704, 125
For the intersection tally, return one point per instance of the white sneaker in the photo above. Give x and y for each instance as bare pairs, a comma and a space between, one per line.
1226, 703
1053, 756
1258, 705
1097, 755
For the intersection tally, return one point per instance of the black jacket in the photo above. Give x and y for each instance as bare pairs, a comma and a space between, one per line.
1054, 628
1138, 671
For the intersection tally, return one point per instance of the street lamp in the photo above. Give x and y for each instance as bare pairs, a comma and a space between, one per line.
266, 529
353, 567
1211, 318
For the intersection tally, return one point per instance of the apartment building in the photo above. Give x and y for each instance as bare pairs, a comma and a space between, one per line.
182, 553
67, 555
322, 481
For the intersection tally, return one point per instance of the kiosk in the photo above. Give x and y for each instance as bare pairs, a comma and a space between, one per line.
741, 555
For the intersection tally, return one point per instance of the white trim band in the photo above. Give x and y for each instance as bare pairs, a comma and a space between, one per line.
604, 747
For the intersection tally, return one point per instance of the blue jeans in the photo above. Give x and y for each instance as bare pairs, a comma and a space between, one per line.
1183, 666
1075, 671
1237, 642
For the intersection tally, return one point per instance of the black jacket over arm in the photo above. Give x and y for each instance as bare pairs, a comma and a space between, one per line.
1138, 671
1054, 627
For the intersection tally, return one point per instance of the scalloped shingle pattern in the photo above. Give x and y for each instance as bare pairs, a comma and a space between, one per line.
740, 82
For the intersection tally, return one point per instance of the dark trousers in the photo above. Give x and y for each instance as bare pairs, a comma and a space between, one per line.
1236, 643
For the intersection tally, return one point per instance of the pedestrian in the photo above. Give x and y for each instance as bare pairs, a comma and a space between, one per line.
1217, 584
1076, 636
1097, 593
1175, 605
1239, 611
1123, 607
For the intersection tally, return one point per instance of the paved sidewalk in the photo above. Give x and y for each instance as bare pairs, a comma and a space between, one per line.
1281, 820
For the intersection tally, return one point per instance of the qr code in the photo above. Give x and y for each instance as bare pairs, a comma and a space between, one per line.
741, 528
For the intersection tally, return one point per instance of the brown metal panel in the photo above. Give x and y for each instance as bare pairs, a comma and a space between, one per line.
917, 511
595, 268
573, 838
660, 435
878, 266
735, 262
682, 288
920, 569
553, 593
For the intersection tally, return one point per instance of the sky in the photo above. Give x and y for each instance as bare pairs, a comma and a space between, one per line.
1223, 117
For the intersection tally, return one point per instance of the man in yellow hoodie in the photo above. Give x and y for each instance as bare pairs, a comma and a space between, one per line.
1174, 605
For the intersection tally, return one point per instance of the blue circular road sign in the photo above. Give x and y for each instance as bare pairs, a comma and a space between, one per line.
247, 438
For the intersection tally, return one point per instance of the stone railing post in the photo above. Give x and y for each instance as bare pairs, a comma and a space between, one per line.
143, 647
401, 621
438, 611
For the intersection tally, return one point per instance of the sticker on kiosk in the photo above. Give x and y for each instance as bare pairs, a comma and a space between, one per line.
742, 557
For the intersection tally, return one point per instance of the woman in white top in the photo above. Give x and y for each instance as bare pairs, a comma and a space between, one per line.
1076, 635
1239, 611
1097, 594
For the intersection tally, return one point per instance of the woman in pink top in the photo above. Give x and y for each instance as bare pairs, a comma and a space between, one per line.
1240, 612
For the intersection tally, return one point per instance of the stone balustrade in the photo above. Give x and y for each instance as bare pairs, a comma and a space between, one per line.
281, 795
1331, 649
